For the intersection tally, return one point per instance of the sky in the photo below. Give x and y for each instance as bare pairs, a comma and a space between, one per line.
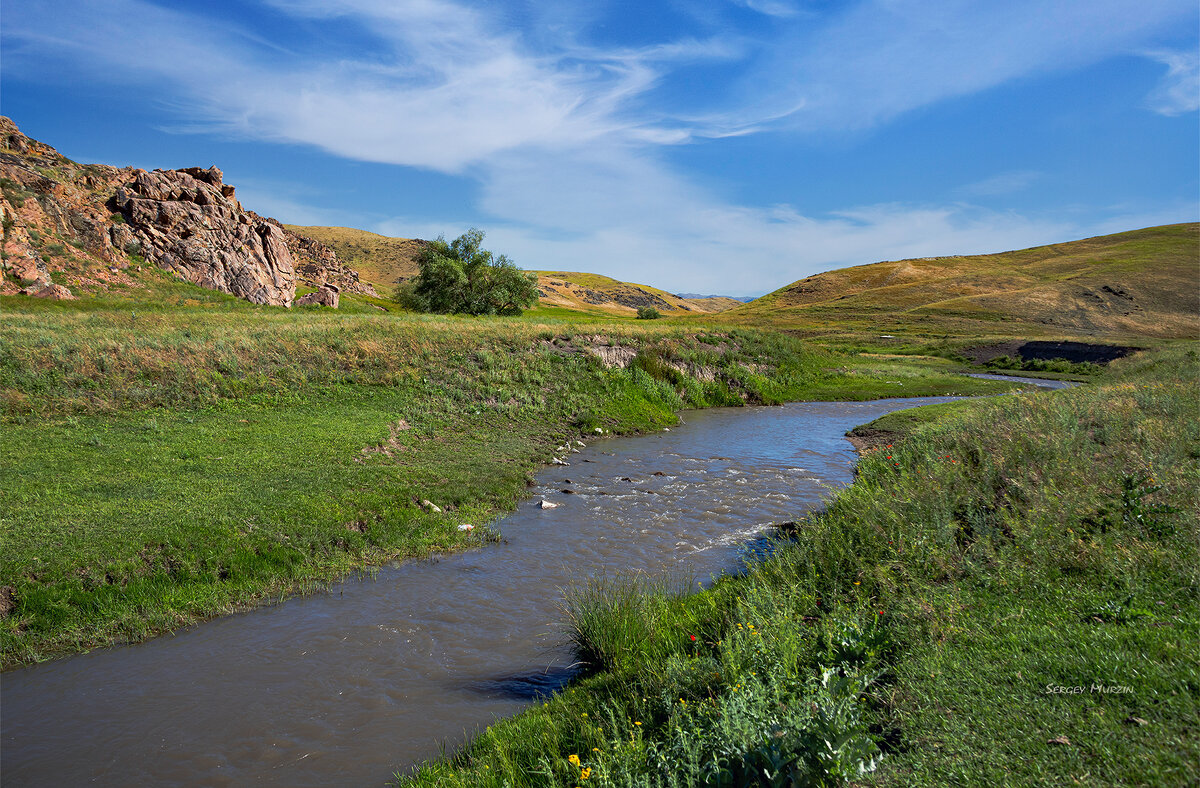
727, 146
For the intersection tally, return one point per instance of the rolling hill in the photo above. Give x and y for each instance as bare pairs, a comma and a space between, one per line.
1139, 283
386, 262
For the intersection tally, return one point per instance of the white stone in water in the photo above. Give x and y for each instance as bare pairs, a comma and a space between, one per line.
580, 443
544, 504
557, 461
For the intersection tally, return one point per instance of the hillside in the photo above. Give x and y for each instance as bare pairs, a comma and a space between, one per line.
1139, 283
593, 292
379, 259
385, 262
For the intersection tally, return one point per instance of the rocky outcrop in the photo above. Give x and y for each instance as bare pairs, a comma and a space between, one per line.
189, 222
91, 227
54, 227
325, 295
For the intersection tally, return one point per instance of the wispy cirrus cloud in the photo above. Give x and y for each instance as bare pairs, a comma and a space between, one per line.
1179, 91
882, 58
777, 8
1002, 183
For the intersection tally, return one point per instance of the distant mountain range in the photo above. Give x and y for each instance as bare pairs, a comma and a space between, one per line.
742, 299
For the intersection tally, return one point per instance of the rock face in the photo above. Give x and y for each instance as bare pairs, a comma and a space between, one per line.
317, 264
325, 295
90, 227
188, 221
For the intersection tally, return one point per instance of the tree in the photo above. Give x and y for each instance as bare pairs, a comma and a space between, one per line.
461, 277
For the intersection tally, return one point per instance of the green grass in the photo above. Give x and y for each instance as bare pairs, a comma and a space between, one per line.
1039, 540
166, 462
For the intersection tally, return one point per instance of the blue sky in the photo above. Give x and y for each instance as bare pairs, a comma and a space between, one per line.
731, 146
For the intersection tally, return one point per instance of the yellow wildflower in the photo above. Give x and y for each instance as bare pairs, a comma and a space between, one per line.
586, 773
573, 759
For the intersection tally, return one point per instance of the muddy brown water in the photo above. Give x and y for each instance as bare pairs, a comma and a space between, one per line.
347, 687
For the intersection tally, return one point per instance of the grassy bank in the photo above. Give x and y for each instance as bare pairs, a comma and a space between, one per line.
160, 464
1005, 597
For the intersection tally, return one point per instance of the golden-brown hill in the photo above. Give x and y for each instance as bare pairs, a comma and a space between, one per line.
386, 262
1139, 283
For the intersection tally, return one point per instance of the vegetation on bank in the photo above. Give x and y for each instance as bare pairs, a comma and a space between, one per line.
1006, 596
163, 463
461, 277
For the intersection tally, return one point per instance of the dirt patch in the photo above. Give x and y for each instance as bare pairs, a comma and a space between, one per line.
867, 439
614, 355
8, 602
390, 446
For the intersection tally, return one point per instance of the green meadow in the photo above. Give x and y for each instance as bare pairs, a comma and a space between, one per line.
168, 461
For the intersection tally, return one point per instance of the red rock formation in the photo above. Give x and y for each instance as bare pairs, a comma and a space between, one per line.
86, 225
188, 221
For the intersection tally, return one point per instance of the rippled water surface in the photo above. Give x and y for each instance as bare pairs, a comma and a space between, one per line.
344, 688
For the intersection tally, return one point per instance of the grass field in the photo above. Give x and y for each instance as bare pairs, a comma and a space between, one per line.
1007, 596
163, 462
1138, 284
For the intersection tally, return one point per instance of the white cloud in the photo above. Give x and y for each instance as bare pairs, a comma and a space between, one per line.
631, 218
778, 8
882, 58
1001, 184
454, 90
1179, 91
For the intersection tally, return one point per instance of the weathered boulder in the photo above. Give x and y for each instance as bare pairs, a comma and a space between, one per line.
325, 295
188, 221
54, 293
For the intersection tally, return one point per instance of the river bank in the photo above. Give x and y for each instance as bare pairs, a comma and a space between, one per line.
924, 629
166, 465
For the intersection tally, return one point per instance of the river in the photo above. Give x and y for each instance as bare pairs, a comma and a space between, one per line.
345, 687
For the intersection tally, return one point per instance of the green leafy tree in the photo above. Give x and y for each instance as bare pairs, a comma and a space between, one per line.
648, 313
462, 277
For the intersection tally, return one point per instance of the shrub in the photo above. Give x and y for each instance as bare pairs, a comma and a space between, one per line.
461, 278
648, 313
